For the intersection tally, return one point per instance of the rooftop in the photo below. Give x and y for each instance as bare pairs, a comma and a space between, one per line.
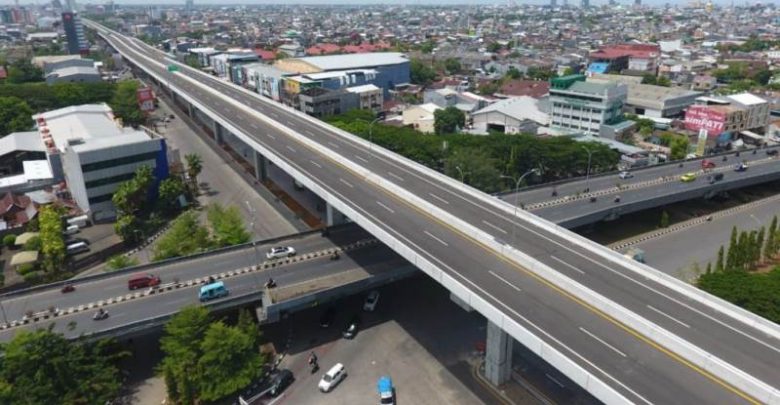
520, 108
74, 70
362, 89
355, 60
747, 99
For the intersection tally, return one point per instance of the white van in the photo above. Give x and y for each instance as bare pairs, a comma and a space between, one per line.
72, 229
76, 248
332, 377
81, 221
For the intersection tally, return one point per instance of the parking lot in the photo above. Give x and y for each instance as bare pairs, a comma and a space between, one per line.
417, 336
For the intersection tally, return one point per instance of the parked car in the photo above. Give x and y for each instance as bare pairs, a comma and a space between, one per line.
386, 391
75, 248
688, 177
352, 328
77, 240
280, 251
370, 303
332, 377
327, 317
281, 381
626, 175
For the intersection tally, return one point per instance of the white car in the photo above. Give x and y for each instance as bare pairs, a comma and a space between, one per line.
279, 252
371, 300
332, 377
626, 175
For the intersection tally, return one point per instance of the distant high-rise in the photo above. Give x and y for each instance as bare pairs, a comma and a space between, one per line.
565, 3
74, 32
70, 5
613, 2
553, 3
637, 2
189, 5
585, 3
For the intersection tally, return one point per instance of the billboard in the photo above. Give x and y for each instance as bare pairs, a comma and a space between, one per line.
698, 117
145, 97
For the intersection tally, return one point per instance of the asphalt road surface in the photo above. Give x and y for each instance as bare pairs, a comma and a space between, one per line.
634, 366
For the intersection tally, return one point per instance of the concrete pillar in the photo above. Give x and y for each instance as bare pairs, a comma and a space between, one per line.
261, 166
217, 129
498, 355
466, 307
190, 109
333, 216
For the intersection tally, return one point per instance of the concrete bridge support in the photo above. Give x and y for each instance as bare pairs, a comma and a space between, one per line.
261, 166
498, 355
333, 216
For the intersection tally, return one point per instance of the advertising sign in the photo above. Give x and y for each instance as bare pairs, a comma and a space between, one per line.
145, 97
698, 117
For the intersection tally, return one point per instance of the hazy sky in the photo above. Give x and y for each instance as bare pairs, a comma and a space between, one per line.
409, 2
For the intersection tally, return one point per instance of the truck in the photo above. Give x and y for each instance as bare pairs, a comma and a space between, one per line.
635, 254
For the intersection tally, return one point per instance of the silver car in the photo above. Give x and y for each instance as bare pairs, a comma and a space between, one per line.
280, 252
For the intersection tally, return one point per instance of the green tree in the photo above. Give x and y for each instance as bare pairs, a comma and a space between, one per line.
185, 237
228, 225
132, 196
758, 245
708, 270
756, 292
119, 262
15, 115
679, 147
494, 47
42, 367
719, 261
448, 120
229, 361
664, 219
246, 322
478, 169
52, 242
9, 240
170, 190
33, 244
129, 228
22, 71
125, 104
771, 236
452, 65
181, 346
194, 167
513, 73
420, 73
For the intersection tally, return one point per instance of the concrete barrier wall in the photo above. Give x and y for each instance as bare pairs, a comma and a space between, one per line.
687, 350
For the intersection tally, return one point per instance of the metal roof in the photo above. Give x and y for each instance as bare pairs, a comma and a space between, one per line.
355, 60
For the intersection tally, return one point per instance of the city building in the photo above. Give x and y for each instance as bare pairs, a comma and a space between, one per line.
651, 100
625, 57
742, 114
319, 102
49, 67
420, 117
86, 146
73, 74
392, 68
264, 79
514, 115
464, 101
23, 164
227, 64
74, 33
580, 106
369, 97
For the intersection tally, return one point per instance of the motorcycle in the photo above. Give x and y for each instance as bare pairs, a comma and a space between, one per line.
68, 288
335, 256
314, 367
100, 315
270, 283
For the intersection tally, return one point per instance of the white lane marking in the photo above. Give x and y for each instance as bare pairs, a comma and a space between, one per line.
494, 226
346, 182
308, 132
333, 144
315, 164
396, 176
477, 287
504, 280
271, 136
254, 126
439, 198
566, 264
585, 331
290, 148
386, 207
274, 114
551, 378
668, 316
361, 158
289, 124
434, 237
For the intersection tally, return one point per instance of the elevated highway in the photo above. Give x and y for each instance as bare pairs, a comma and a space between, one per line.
623, 331
568, 204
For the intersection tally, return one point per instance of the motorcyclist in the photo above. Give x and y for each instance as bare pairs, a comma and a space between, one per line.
270, 283
334, 256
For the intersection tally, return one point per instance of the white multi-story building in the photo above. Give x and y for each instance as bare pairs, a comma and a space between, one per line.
580, 106
87, 147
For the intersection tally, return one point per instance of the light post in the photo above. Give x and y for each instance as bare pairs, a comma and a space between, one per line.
5, 318
587, 172
756, 219
370, 134
462, 174
517, 195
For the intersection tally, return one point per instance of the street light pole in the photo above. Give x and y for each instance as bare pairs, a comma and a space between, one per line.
587, 172
370, 134
462, 175
517, 195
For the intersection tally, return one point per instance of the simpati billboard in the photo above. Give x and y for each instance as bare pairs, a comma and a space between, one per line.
145, 97
698, 117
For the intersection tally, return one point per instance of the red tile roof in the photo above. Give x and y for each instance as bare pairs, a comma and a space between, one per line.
322, 49
265, 55
9, 201
531, 88
623, 50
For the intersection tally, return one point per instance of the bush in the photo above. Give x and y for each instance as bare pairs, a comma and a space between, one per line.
120, 262
9, 240
25, 269
33, 277
33, 244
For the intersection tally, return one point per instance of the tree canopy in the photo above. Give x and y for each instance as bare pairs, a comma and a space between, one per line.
227, 225
420, 73
43, 97
186, 236
15, 115
448, 120
125, 104
42, 367
52, 242
22, 71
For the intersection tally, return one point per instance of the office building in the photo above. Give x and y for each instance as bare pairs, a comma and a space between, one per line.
580, 106
189, 5
585, 4
74, 32
93, 154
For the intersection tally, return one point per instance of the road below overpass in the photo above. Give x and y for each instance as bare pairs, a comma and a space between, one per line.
629, 362
370, 258
649, 187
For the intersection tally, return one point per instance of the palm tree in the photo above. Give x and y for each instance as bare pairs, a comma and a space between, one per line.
194, 167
